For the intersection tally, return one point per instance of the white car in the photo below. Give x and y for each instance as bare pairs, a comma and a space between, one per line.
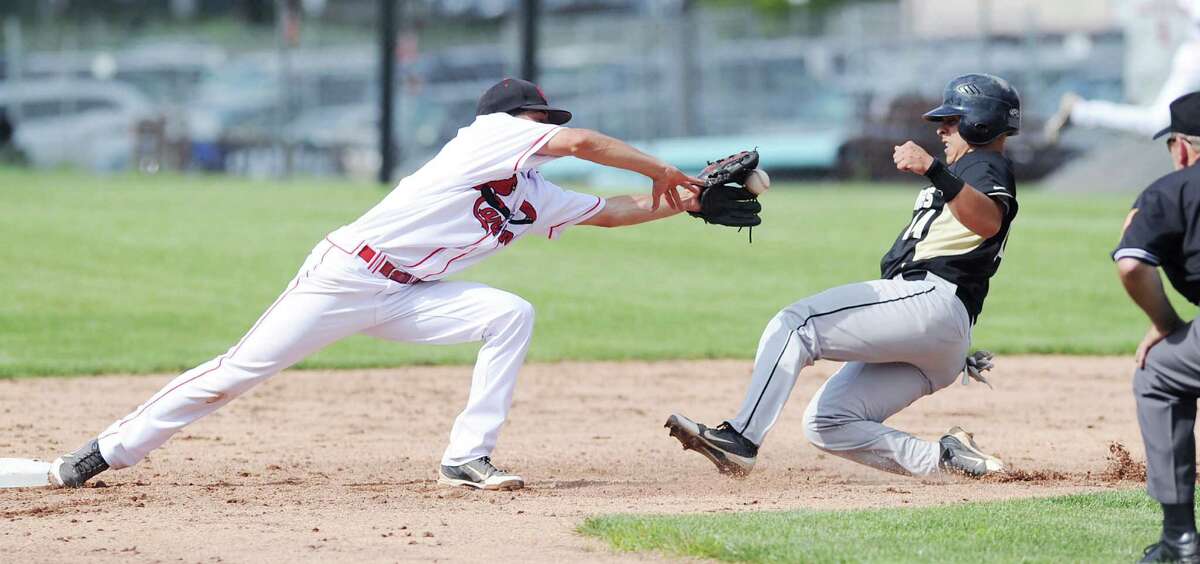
86, 123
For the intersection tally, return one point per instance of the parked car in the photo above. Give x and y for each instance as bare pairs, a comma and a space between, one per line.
240, 103
85, 123
349, 135
166, 73
331, 99
495, 9
458, 64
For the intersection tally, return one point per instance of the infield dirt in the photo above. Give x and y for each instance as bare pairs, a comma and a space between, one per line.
340, 466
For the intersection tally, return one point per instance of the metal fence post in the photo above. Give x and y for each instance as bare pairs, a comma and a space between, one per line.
529, 39
387, 68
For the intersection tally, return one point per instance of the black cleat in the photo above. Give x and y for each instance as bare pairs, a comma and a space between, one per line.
1186, 550
732, 453
72, 470
961, 455
481, 475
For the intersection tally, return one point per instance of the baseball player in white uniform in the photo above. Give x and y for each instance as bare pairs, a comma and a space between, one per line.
905, 335
382, 275
1145, 120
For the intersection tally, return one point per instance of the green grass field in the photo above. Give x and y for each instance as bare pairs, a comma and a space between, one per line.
149, 274
156, 274
1105, 527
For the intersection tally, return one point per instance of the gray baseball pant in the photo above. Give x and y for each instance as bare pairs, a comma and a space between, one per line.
900, 339
1166, 391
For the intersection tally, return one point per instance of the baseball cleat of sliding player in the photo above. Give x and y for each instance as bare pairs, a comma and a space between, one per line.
732, 453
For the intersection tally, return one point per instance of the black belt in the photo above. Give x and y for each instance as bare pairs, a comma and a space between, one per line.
925, 274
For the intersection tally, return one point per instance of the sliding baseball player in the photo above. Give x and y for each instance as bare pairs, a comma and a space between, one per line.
905, 335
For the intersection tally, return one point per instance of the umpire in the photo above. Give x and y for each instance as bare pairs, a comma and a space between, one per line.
1163, 230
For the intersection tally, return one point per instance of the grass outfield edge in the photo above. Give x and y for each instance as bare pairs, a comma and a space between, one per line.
1110, 526
137, 274
17, 373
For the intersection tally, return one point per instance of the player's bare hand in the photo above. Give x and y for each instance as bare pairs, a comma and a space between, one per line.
1153, 337
668, 182
910, 157
690, 201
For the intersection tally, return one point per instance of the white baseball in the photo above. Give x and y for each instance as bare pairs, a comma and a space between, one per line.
758, 181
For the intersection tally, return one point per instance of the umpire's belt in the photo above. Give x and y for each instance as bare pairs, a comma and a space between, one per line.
385, 267
915, 274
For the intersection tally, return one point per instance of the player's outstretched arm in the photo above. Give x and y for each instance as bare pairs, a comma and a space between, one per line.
633, 209
599, 148
1144, 286
973, 209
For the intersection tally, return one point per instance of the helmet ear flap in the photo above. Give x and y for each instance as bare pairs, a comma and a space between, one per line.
974, 130
983, 125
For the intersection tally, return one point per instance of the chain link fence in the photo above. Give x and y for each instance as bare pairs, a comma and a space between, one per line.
292, 88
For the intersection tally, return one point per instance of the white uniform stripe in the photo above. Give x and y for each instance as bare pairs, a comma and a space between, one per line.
1139, 254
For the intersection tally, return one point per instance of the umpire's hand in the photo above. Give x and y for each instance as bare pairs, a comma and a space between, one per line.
1154, 336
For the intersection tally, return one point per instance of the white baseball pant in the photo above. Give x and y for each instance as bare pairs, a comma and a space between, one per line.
335, 295
901, 340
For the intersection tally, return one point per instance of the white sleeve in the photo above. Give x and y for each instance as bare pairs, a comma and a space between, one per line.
1184, 77
501, 145
558, 209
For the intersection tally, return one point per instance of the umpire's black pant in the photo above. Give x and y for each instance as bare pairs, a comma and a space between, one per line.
1166, 391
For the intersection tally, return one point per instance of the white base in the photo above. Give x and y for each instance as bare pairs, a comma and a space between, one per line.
24, 473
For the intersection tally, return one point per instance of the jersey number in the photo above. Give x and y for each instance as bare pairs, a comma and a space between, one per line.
920, 224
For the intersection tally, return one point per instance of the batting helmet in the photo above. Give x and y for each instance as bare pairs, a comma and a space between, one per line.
987, 105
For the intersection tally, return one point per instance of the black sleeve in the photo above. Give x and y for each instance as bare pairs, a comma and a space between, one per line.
996, 182
1153, 228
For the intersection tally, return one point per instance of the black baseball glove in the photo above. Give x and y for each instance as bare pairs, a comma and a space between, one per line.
724, 199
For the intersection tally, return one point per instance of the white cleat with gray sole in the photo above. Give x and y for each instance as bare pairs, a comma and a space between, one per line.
960, 455
481, 475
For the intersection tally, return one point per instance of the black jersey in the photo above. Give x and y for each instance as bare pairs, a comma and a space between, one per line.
936, 242
1163, 229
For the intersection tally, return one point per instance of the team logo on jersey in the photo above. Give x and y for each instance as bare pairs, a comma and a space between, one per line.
493, 214
925, 199
501, 187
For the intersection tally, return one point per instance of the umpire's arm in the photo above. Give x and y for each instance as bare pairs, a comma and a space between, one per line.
1152, 229
1144, 285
